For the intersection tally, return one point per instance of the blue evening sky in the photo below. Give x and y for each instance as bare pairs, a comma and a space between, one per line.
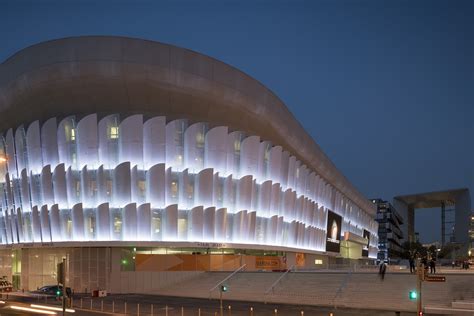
384, 87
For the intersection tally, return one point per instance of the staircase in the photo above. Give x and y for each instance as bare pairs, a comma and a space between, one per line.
355, 290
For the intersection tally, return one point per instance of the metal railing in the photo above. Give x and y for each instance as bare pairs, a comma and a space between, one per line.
136, 307
342, 287
272, 287
226, 278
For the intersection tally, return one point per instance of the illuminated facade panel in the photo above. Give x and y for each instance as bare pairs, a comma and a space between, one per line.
135, 180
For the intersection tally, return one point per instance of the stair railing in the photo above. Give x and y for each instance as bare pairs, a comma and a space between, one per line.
271, 289
226, 279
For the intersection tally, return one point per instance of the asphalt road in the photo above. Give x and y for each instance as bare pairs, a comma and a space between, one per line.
178, 306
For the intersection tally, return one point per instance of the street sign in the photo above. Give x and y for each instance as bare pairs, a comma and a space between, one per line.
435, 278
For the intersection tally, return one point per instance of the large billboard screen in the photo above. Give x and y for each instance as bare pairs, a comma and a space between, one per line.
365, 248
333, 232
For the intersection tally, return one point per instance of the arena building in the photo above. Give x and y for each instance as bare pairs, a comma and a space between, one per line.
129, 157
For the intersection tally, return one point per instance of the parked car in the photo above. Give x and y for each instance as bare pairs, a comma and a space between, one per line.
53, 290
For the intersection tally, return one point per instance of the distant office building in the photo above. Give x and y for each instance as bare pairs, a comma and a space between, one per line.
390, 234
455, 205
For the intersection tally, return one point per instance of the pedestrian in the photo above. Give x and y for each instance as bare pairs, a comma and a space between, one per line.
412, 265
466, 264
432, 265
382, 269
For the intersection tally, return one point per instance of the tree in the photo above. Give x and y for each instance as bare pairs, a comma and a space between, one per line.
413, 249
432, 251
447, 251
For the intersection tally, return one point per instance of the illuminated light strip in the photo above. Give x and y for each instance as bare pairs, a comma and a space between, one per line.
2, 302
53, 308
33, 310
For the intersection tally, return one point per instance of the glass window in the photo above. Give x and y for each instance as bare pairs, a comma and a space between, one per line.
182, 226
200, 140
109, 187
237, 146
90, 223
116, 219
69, 227
174, 188
156, 224
141, 187
117, 224
190, 189
93, 188
78, 188
113, 132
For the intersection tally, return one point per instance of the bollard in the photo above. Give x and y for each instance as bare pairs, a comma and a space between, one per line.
113, 307
102, 305
182, 311
151, 310
166, 310
91, 303
72, 303
125, 307
276, 311
251, 311
331, 314
45, 299
138, 309
302, 313
81, 302
199, 312
230, 310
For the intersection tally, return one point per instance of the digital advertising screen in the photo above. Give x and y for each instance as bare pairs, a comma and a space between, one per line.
365, 248
333, 232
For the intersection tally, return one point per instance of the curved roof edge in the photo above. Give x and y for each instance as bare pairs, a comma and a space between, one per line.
80, 75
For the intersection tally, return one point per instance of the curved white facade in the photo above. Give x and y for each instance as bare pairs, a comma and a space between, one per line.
135, 179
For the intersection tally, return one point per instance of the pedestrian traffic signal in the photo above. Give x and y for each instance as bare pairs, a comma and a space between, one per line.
58, 293
413, 295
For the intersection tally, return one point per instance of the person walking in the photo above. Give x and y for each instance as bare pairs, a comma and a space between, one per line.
432, 266
382, 270
412, 265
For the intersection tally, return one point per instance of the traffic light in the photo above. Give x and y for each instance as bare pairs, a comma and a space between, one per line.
58, 292
413, 295
224, 288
